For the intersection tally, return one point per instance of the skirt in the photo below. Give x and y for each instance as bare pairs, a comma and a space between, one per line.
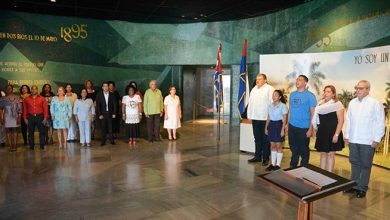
132, 130
274, 129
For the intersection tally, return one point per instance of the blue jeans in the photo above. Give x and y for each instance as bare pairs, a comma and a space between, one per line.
299, 145
262, 150
85, 132
360, 157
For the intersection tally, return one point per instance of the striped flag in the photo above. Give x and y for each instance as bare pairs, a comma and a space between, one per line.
243, 92
218, 80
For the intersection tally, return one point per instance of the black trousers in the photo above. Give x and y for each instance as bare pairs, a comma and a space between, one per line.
299, 145
262, 150
106, 128
24, 131
36, 121
153, 124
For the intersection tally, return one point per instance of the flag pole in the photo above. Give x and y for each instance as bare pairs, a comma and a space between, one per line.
219, 108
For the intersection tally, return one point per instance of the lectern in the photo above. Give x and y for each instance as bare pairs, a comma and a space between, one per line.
306, 184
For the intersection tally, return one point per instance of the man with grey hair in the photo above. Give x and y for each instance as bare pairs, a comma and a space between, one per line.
153, 109
365, 127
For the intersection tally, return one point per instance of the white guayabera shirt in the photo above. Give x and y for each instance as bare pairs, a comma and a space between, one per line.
365, 121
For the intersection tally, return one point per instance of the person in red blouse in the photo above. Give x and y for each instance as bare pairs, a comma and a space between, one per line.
35, 114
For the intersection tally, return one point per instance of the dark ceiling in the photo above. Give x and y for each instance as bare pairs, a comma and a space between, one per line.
153, 11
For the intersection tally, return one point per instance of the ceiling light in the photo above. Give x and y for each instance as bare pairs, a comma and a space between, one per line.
53, 0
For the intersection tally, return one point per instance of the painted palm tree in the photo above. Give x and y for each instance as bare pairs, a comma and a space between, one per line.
284, 92
315, 76
387, 105
345, 97
388, 90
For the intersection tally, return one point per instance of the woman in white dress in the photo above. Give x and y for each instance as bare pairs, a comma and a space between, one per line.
172, 111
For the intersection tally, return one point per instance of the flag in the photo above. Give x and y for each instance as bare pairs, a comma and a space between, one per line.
243, 92
218, 80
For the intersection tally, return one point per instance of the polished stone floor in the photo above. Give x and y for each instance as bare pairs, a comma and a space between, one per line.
192, 178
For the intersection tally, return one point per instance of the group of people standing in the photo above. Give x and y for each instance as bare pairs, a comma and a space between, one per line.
66, 112
272, 120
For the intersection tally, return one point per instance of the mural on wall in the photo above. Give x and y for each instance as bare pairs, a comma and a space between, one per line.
36, 49
340, 69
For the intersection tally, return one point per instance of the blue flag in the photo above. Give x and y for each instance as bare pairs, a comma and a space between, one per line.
243, 91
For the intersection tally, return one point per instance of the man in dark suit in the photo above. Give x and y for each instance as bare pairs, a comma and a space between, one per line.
106, 107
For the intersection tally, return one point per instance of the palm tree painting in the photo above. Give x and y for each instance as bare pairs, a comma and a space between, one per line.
388, 90
345, 97
315, 76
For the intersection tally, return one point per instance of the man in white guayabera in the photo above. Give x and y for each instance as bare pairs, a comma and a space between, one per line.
365, 127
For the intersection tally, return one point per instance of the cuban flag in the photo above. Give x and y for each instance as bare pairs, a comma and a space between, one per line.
218, 80
243, 92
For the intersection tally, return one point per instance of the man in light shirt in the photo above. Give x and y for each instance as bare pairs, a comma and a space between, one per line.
259, 100
365, 127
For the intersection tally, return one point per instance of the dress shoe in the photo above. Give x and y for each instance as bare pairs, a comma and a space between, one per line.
276, 167
254, 160
265, 162
360, 194
351, 191
270, 168
113, 143
103, 143
31, 148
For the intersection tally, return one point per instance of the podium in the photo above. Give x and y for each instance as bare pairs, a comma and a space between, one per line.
247, 141
306, 184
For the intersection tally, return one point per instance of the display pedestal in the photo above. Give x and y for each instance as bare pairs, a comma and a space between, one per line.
247, 141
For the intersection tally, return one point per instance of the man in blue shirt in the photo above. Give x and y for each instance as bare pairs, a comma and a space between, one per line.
302, 104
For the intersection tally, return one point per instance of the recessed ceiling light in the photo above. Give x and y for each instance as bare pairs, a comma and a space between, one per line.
53, 0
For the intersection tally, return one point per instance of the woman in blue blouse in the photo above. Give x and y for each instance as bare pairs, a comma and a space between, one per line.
84, 112
61, 113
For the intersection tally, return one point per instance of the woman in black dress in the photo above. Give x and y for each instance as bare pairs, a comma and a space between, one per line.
328, 122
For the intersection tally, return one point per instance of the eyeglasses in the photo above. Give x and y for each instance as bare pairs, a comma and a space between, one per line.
360, 88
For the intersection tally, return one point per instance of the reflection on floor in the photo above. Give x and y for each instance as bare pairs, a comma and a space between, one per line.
192, 178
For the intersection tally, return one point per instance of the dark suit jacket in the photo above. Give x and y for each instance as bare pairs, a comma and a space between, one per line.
101, 104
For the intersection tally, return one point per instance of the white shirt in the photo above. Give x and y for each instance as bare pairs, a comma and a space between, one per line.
132, 111
365, 121
259, 101
106, 98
